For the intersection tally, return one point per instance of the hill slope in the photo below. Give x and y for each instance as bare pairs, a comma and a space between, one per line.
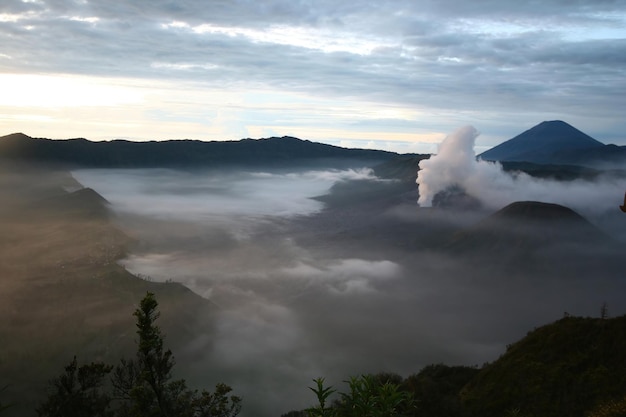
562, 369
526, 227
62, 292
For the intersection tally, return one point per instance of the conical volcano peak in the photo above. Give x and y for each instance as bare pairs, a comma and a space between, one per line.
559, 128
541, 143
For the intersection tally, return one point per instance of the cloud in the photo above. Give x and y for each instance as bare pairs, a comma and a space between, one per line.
452, 165
298, 297
549, 58
346, 276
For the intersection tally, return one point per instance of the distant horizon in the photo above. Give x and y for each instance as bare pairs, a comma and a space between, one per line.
187, 139
478, 149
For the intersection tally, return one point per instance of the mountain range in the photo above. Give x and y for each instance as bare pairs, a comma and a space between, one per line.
548, 143
272, 152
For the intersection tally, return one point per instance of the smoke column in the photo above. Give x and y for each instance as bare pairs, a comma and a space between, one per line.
453, 164
456, 165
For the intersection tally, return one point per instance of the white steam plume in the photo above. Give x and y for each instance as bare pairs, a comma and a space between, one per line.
455, 165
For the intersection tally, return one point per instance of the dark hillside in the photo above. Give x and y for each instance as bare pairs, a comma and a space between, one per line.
525, 228
62, 292
562, 369
272, 152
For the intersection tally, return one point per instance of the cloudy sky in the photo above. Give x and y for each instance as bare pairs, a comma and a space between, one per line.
396, 75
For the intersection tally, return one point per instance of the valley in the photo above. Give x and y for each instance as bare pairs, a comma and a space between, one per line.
271, 276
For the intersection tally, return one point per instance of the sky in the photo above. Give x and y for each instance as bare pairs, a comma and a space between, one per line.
395, 75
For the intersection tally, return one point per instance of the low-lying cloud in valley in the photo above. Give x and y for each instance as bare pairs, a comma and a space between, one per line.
299, 298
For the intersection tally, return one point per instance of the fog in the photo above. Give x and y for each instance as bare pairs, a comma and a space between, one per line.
304, 291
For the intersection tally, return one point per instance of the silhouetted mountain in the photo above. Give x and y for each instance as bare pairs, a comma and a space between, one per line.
566, 368
273, 152
527, 228
556, 142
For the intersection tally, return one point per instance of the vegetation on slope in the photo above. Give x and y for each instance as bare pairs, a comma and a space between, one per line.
58, 253
141, 387
61, 289
567, 368
574, 367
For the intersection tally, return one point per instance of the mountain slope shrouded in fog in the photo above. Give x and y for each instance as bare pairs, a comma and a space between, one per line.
62, 292
527, 226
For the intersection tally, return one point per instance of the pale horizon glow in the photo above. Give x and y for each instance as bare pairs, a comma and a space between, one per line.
52, 101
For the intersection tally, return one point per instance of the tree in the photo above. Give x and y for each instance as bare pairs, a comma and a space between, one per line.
142, 386
143, 382
77, 392
604, 311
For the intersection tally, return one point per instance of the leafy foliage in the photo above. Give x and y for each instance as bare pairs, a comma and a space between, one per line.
572, 367
369, 396
322, 393
562, 369
143, 382
143, 386
436, 389
78, 392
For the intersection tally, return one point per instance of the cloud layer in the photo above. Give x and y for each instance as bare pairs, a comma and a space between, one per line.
299, 297
397, 71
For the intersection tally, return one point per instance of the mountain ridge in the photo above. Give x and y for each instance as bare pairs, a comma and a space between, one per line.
275, 152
